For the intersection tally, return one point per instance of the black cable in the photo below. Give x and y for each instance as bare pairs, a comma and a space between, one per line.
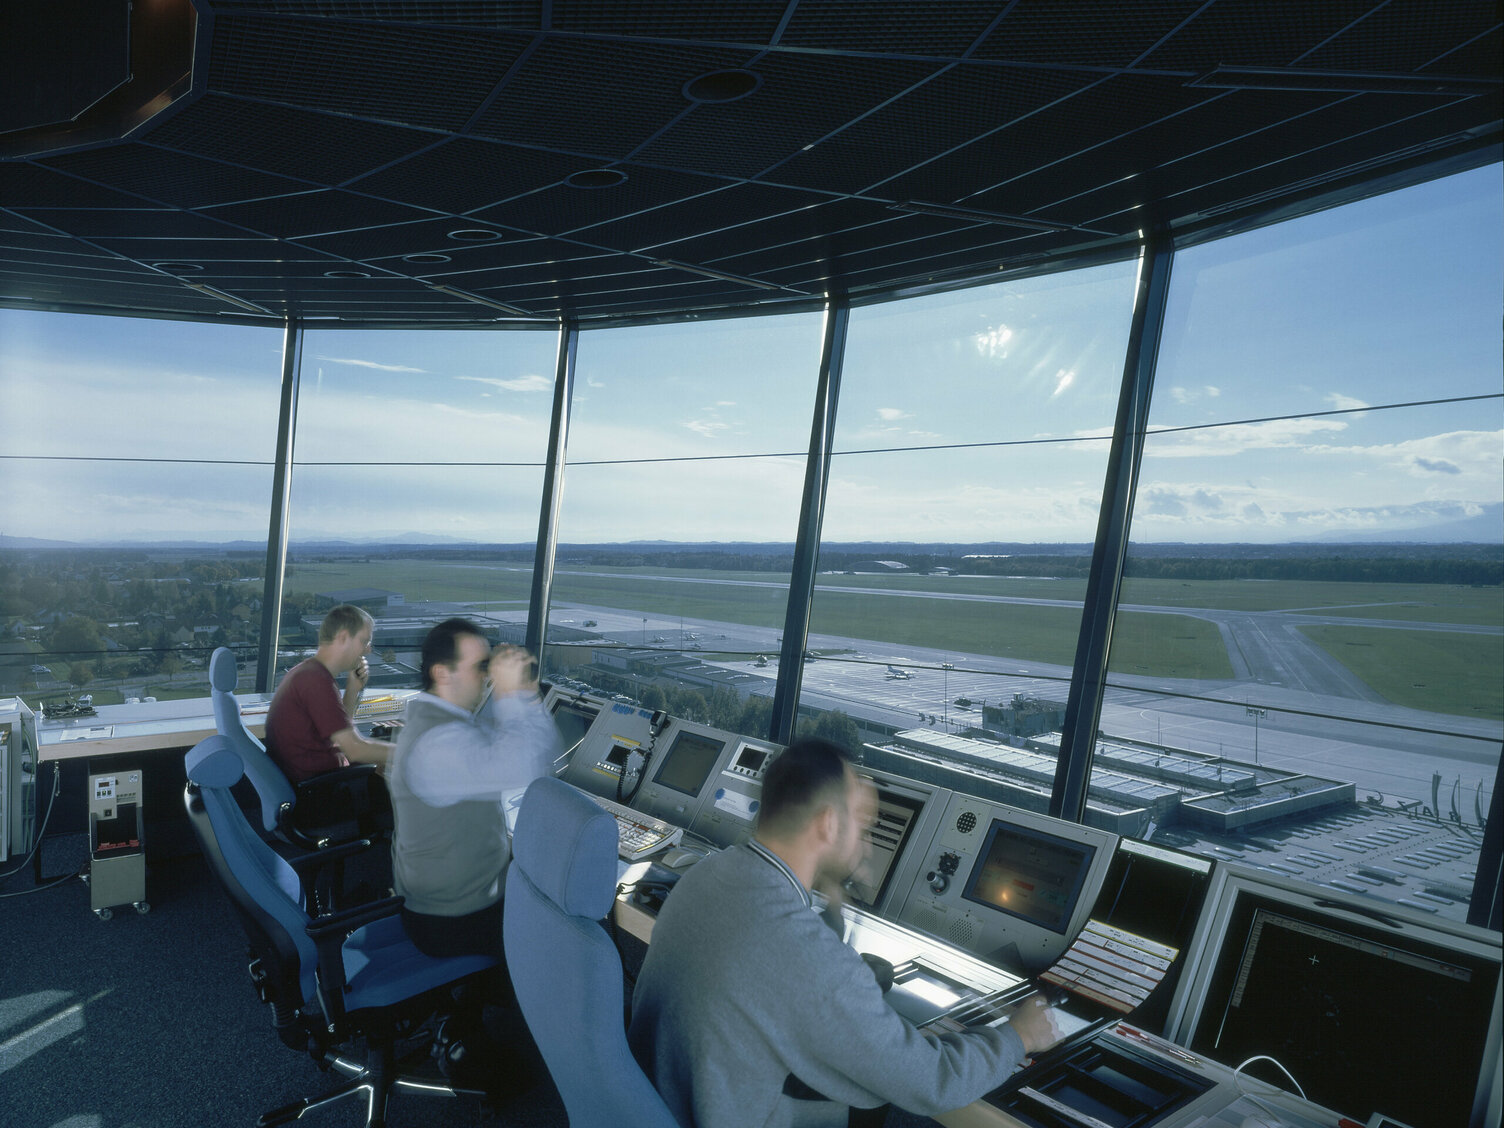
57, 782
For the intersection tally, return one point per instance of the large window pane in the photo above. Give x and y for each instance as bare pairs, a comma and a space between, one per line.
132, 526
681, 502
417, 478
971, 445
1310, 648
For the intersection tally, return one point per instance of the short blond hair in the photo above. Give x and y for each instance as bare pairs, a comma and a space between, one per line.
345, 617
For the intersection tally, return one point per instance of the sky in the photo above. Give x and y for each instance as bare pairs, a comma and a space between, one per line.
980, 415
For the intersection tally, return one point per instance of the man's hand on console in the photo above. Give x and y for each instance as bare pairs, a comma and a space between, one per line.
1034, 1020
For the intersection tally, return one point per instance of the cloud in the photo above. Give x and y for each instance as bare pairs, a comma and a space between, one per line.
710, 428
1223, 442
1341, 402
1184, 395
1180, 501
1063, 380
1437, 465
532, 382
892, 414
356, 362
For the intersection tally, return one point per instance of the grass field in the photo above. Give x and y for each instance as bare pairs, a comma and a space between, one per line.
1461, 673
1443, 673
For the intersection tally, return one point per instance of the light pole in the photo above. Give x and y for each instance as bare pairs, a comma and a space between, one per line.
1256, 712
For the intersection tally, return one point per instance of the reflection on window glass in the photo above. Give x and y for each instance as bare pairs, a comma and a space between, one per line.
970, 450
1313, 657
416, 486
133, 527
681, 502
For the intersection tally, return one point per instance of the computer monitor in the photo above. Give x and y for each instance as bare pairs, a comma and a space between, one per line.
908, 812
685, 755
1371, 1007
687, 763
1030, 874
1012, 886
886, 838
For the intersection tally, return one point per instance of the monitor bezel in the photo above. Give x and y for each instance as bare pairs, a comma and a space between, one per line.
670, 744
1234, 883
1084, 870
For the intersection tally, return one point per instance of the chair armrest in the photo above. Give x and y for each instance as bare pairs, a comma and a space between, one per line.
334, 806
317, 859
335, 775
328, 934
347, 921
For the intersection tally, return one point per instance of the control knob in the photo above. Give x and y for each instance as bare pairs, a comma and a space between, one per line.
939, 877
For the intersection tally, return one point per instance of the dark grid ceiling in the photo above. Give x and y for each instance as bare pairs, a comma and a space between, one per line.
394, 160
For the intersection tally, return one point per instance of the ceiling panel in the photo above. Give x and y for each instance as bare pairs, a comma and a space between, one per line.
332, 154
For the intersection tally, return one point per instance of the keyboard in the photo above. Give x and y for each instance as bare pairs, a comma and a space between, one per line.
638, 834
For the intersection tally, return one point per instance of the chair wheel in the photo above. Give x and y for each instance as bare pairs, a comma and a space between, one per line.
104, 914
143, 907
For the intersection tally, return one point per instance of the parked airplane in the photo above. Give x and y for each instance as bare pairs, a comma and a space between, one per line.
896, 673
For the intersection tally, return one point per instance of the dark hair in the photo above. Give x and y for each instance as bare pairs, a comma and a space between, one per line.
441, 646
345, 617
801, 780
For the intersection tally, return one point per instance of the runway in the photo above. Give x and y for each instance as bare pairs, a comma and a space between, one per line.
1317, 717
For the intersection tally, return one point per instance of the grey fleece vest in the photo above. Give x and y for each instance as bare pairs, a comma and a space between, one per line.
446, 861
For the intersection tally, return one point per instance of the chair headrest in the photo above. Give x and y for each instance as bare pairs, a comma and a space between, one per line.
222, 672
566, 845
213, 762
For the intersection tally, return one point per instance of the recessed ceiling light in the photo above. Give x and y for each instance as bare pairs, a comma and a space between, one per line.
474, 235
722, 86
595, 178
346, 274
178, 267
426, 257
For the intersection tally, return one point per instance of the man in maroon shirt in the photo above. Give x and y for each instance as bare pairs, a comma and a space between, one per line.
309, 727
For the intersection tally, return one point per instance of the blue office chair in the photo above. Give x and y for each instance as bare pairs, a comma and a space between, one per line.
331, 981
334, 807
565, 970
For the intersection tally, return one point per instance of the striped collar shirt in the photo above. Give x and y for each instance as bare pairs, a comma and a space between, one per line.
782, 867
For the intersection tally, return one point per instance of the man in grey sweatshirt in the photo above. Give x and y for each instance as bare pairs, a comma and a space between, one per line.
747, 1000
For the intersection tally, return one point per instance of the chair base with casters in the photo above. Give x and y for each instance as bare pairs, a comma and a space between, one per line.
333, 982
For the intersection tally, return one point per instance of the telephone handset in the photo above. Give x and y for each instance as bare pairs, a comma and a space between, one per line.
634, 771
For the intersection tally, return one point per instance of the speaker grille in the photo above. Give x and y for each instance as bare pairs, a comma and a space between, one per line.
967, 822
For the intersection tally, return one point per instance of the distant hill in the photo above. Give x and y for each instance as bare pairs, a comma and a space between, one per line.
1486, 528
